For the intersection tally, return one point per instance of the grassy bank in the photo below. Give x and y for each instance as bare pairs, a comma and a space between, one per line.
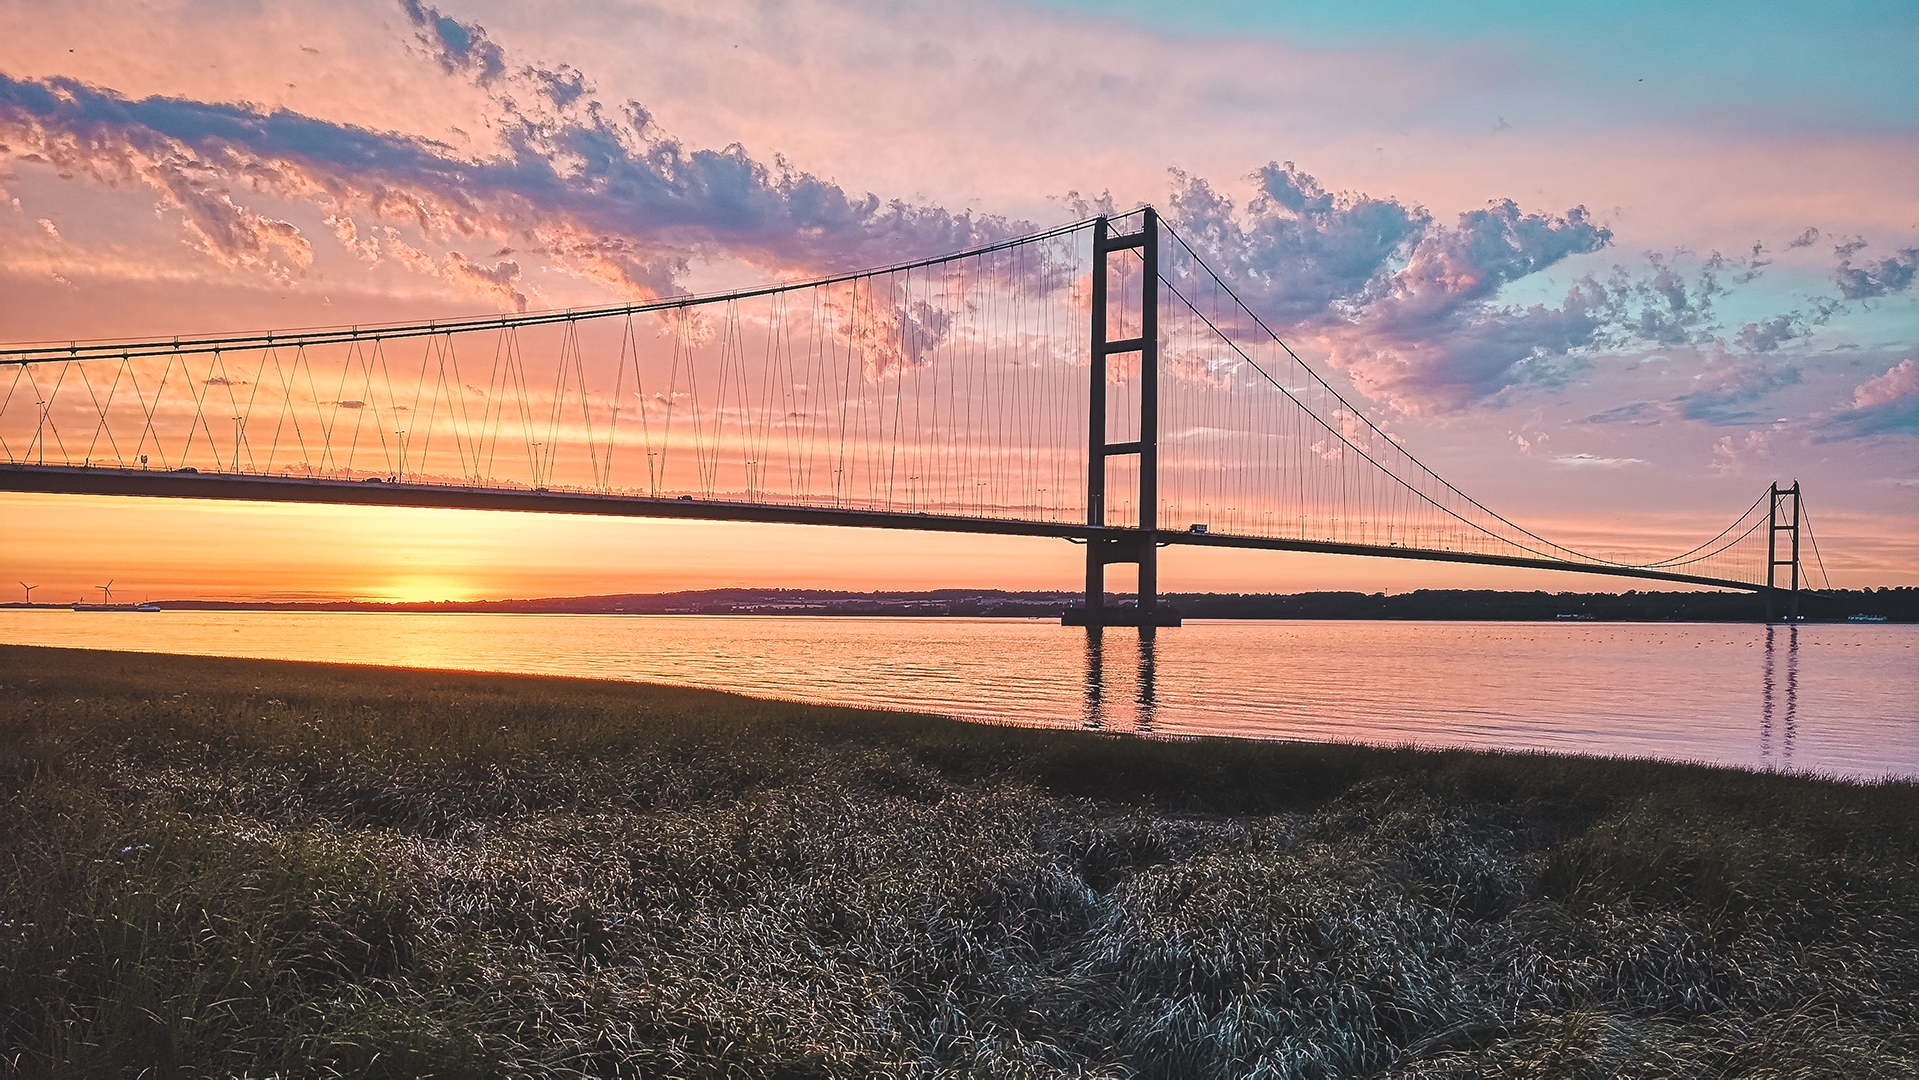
223, 867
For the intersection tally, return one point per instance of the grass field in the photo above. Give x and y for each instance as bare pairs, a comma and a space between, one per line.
222, 867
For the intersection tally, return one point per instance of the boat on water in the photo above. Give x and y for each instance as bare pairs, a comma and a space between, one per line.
106, 602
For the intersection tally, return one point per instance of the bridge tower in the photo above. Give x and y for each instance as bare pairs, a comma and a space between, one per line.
1780, 522
1138, 545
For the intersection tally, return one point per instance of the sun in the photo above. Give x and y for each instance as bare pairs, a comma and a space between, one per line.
425, 588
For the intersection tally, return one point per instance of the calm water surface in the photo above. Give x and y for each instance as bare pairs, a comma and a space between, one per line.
1826, 698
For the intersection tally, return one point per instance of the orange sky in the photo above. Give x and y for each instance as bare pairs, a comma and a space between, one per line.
1747, 196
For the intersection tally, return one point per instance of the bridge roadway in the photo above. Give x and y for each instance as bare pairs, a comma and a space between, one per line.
244, 487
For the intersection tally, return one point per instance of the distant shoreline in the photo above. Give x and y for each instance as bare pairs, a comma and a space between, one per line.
1894, 605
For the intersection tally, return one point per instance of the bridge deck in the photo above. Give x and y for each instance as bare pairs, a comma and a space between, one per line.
74, 480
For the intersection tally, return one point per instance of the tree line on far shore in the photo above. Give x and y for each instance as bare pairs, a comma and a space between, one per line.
1888, 604
1894, 605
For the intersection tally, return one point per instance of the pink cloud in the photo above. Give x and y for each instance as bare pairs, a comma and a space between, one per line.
1404, 304
602, 192
497, 281
1900, 381
1731, 455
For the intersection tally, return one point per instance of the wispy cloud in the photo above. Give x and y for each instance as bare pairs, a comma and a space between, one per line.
1637, 412
1728, 385
1594, 461
1884, 406
600, 191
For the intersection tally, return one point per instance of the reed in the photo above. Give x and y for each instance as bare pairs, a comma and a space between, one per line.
220, 867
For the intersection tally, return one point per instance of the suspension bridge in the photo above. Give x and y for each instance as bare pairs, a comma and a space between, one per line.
1098, 383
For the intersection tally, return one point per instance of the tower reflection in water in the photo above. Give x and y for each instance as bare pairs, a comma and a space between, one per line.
1105, 698
1771, 705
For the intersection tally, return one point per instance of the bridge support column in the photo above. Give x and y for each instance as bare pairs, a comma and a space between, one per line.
1782, 522
1096, 586
1148, 556
1138, 544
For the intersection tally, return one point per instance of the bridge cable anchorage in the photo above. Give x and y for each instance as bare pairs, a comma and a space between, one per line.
1097, 382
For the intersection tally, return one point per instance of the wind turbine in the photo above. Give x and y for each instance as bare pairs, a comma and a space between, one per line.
106, 592
29, 589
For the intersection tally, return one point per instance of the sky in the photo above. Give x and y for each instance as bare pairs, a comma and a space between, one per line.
1612, 269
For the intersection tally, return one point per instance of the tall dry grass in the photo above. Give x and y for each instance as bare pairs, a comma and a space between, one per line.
242, 868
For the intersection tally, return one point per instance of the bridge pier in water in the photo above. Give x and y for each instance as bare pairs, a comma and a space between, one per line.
1131, 546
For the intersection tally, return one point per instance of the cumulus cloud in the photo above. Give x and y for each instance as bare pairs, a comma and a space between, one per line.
1404, 303
497, 280
1874, 278
1731, 455
1409, 305
1296, 250
1767, 335
84, 132
460, 48
1527, 444
1900, 381
1658, 304
1885, 404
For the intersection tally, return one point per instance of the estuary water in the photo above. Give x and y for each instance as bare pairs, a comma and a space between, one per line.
1837, 699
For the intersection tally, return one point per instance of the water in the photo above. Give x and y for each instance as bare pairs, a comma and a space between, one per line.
1839, 699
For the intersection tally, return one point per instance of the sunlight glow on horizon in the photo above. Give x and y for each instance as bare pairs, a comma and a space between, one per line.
158, 549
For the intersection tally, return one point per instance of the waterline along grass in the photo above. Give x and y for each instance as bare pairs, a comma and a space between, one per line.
219, 867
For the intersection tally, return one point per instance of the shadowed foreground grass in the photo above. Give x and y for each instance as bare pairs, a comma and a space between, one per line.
218, 867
